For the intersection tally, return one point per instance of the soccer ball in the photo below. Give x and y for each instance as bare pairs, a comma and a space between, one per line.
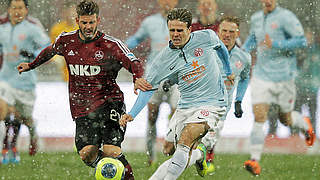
109, 169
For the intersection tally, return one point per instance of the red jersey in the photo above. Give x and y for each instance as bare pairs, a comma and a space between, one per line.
198, 26
93, 68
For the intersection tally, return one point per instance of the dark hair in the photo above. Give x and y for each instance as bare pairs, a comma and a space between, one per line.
25, 2
233, 19
180, 14
87, 7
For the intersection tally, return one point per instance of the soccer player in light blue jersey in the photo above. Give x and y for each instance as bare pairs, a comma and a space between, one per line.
20, 39
155, 28
240, 62
190, 61
275, 32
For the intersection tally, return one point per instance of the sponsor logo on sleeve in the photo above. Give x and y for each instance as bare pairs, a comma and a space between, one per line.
131, 56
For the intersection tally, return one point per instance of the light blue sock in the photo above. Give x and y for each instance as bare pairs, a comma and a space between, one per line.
178, 163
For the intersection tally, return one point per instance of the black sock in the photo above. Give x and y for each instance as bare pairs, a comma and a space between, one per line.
128, 170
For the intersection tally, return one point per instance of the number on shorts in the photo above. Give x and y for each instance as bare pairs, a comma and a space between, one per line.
114, 115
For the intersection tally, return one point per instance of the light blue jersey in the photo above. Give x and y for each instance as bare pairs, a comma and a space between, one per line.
286, 32
194, 68
22, 36
153, 27
240, 63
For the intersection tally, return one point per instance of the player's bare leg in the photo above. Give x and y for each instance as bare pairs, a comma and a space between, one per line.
9, 151
295, 119
189, 136
153, 110
115, 152
33, 147
257, 138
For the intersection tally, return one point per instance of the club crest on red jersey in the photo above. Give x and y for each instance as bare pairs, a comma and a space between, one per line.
198, 52
99, 55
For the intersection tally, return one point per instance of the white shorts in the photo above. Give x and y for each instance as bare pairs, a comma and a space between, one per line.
281, 93
171, 97
181, 117
22, 101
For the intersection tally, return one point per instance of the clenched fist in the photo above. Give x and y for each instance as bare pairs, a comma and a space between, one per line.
125, 119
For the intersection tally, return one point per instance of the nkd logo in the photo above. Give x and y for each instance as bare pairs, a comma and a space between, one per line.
84, 70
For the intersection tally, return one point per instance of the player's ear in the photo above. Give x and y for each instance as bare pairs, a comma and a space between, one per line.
77, 20
238, 32
98, 20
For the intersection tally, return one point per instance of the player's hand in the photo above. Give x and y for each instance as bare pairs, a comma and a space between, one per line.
237, 109
267, 42
166, 86
125, 119
231, 78
23, 67
141, 84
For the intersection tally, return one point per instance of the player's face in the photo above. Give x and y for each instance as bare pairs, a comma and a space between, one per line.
268, 5
167, 5
17, 11
88, 25
179, 33
228, 33
207, 7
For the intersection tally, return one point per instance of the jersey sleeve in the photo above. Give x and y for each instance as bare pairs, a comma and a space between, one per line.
40, 37
139, 36
292, 25
121, 52
58, 44
214, 39
159, 70
244, 78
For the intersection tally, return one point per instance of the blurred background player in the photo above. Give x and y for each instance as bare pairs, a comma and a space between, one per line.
308, 79
207, 16
240, 63
155, 27
66, 23
275, 32
96, 101
21, 38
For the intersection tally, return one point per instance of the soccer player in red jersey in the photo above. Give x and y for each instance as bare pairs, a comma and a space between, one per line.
96, 101
208, 16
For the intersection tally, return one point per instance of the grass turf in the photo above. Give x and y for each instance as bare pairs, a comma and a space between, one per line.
61, 166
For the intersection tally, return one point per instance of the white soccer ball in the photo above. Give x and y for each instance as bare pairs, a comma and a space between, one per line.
109, 169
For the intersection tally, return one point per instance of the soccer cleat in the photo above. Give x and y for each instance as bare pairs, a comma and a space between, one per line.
15, 157
211, 167
309, 134
202, 166
253, 167
33, 147
5, 156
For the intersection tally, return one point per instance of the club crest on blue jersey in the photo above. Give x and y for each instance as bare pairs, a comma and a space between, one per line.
198, 52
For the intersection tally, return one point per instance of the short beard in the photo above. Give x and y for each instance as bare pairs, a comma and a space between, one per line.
88, 38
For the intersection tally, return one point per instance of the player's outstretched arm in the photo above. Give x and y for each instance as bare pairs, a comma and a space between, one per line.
140, 103
141, 84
